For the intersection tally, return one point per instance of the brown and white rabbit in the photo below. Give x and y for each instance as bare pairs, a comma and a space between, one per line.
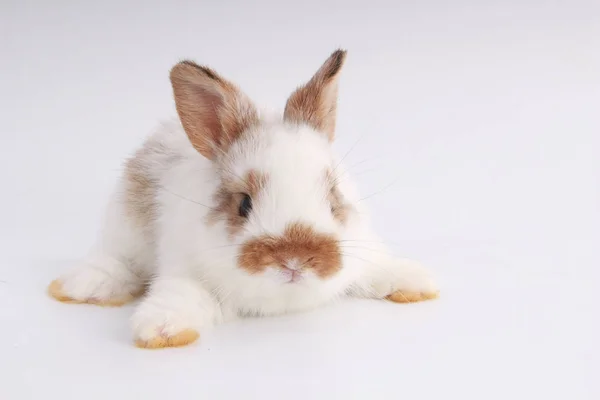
225, 213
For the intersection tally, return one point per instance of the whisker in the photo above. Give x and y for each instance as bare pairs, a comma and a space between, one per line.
348, 152
367, 248
380, 191
364, 172
184, 198
347, 173
370, 241
357, 257
221, 247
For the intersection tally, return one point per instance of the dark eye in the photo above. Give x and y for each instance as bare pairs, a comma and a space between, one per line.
245, 206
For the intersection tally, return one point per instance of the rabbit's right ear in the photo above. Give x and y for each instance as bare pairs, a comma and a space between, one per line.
213, 111
315, 103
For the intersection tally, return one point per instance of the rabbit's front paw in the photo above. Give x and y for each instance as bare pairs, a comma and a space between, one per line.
401, 296
412, 283
161, 338
157, 326
106, 283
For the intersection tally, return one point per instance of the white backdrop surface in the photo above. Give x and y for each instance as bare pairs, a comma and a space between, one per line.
485, 115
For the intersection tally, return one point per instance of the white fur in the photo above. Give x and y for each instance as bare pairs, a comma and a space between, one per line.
191, 265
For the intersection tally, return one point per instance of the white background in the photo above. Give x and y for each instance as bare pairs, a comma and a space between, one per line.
484, 116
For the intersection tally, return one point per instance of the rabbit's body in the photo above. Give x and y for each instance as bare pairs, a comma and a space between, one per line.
227, 214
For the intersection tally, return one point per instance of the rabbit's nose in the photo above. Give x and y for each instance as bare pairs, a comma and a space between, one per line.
299, 248
292, 264
297, 263
292, 270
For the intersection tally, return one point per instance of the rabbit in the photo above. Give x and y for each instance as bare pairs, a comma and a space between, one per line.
225, 212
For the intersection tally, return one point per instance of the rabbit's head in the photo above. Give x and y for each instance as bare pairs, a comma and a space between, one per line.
279, 200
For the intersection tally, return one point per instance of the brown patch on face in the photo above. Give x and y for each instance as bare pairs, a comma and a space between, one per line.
212, 110
316, 102
317, 252
339, 208
229, 196
254, 183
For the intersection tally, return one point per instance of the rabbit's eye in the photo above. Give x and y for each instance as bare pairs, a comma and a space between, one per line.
245, 206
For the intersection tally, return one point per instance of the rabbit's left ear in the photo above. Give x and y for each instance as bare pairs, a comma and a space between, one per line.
212, 110
315, 103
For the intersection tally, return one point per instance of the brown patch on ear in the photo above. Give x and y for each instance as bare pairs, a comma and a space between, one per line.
213, 111
229, 197
318, 252
315, 103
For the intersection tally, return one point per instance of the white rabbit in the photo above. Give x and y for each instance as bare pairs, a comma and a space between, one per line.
225, 213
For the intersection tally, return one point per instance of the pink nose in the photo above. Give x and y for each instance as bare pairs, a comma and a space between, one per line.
293, 264
291, 270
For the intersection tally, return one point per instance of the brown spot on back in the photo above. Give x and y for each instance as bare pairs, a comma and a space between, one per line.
141, 188
141, 183
316, 251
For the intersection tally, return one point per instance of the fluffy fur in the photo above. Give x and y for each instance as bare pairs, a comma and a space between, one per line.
172, 230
